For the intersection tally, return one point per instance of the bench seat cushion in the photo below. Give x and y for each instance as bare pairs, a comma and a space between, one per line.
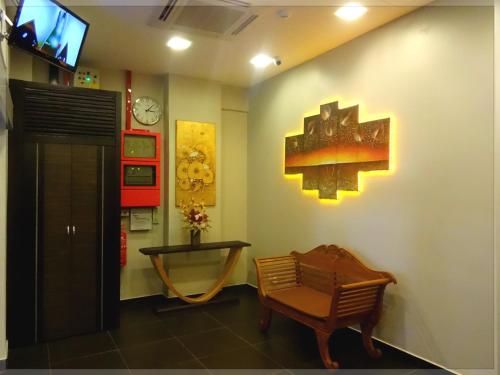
306, 300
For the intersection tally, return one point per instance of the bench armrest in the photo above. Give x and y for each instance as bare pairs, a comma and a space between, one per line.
364, 284
276, 273
358, 299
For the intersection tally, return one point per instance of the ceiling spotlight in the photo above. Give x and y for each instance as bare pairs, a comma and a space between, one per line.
179, 43
351, 11
261, 61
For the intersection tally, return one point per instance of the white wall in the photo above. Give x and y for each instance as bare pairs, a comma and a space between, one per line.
234, 103
431, 221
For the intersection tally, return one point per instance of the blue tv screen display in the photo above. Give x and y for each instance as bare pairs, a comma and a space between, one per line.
49, 30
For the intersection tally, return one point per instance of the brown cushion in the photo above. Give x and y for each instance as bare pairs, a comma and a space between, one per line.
306, 300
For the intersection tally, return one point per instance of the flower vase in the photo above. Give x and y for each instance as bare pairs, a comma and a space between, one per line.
195, 237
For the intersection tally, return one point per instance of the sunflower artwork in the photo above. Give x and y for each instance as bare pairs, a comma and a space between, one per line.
195, 163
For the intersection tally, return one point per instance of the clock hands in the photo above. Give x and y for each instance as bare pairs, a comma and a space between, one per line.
147, 111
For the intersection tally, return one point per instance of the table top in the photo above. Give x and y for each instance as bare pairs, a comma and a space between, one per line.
190, 248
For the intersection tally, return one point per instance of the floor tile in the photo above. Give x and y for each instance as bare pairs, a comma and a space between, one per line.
212, 342
291, 354
249, 332
108, 360
30, 357
429, 372
157, 355
184, 368
131, 335
187, 322
135, 314
26, 372
343, 371
354, 356
79, 346
245, 311
246, 358
188, 365
224, 336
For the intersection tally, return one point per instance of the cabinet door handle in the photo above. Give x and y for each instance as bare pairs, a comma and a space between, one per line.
74, 230
67, 230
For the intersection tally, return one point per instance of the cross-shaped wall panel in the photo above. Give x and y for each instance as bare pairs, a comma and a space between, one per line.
335, 147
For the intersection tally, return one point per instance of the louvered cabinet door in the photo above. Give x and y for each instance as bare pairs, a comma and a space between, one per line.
71, 212
55, 318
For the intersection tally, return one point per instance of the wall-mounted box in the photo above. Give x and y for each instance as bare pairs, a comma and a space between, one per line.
87, 78
140, 168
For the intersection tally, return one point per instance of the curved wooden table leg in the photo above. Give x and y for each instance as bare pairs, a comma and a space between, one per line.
232, 259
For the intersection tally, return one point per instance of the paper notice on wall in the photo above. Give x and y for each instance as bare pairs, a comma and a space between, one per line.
141, 219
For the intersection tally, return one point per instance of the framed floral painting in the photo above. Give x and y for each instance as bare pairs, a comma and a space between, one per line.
195, 163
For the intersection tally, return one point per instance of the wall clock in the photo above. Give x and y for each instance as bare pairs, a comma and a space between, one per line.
146, 110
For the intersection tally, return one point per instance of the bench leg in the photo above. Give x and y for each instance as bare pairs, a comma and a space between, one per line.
323, 338
366, 333
265, 320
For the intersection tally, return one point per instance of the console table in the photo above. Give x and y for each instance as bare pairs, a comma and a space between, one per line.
155, 253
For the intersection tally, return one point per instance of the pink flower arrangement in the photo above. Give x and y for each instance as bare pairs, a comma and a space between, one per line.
194, 216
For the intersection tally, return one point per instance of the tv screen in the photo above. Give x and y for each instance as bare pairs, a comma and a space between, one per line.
49, 30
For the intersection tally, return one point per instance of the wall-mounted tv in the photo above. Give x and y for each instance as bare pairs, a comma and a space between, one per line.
47, 29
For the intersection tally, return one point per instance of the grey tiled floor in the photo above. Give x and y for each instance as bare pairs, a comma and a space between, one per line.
209, 340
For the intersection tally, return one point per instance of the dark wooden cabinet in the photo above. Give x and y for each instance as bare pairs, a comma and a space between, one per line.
63, 213
70, 238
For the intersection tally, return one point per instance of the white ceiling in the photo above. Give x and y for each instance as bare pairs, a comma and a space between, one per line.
120, 37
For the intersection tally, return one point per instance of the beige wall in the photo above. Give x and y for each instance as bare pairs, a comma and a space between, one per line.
189, 99
200, 100
497, 185
137, 277
21, 66
431, 221
3, 219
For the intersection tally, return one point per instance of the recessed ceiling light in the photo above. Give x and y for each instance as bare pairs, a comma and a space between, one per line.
179, 43
351, 11
261, 61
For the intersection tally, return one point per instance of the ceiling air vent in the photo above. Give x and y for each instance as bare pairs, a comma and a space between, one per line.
244, 24
214, 18
167, 10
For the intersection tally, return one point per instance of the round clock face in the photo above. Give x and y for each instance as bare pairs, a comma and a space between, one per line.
147, 110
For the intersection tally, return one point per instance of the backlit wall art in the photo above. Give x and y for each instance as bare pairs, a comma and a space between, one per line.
335, 147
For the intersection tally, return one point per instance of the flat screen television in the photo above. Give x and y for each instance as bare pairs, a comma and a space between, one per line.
47, 29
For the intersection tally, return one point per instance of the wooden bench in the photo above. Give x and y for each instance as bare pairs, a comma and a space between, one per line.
326, 288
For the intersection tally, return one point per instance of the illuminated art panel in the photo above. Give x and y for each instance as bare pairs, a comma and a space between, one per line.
335, 147
195, 163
